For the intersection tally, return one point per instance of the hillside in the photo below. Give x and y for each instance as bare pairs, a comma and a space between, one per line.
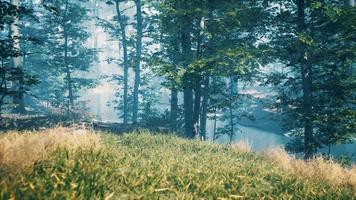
64, 163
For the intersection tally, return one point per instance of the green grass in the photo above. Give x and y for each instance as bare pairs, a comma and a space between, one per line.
144, 166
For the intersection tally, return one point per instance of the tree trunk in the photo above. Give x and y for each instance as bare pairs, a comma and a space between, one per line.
174, 109
329, 151
17, 61
138, 60
215, 125
188, 112
3, 87
126, 62
306, 73
187, 86
198, 79
205, 103
173, 54
233, 93
95, 13
68, 72
197, 103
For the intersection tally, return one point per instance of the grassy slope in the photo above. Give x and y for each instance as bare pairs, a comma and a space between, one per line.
159, 167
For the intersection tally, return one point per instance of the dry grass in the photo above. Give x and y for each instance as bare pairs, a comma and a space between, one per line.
315, 169
146, 166
243, 146
20, 150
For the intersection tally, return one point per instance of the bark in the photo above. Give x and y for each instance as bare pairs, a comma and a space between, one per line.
139, 36
188, 110
198, 79
233, 93
197, 103
205, 103
329, 151
126, 62
17, 61
66, 64
187, 86
174, 57
306, 74
95, 13
174, 108
215, 125
307, 107
3, 89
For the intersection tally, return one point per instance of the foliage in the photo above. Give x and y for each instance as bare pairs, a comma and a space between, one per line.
14, 81
70, 59
329, 51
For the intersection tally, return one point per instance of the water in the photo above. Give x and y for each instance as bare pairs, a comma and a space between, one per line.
261, 140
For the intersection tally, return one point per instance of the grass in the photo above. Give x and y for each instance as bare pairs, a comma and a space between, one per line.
78, 164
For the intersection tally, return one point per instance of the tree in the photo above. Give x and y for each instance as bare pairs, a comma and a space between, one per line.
119, 29
139, 35
11, 73
208, 44
335, 116
305, 94
66, 37
307, 84
17, 60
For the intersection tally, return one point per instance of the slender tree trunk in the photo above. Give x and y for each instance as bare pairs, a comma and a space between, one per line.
174, 109
187, 79
205, 103
68, 72
197, 103
26, 99
95, 13
126, 60
233, 93
1, 102
306, 73
188, 111
329, 151
3, 87
215, 125
17, 61
173, 54
138, 60
198, 79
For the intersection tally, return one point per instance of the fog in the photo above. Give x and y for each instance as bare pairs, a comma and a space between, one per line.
263, 133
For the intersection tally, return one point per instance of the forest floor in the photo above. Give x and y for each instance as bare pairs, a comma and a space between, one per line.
41, 122
76, 163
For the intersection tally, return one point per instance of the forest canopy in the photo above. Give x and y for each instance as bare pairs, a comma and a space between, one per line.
205, 53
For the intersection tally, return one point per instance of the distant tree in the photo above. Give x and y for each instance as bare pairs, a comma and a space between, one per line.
138, 58
207, 39
66, 37
117, 28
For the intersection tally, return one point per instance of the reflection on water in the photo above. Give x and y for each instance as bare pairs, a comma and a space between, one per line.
258, 139
261, 140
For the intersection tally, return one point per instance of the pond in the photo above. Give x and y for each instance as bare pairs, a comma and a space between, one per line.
261, 140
